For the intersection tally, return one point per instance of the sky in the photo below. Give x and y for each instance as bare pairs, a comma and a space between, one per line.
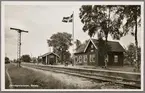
42, 21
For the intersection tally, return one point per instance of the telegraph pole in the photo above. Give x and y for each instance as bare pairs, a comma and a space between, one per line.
19, 44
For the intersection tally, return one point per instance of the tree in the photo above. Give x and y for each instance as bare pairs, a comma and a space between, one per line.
130, 54
14, 60
133, 20
78, 43
34, 59
67, 57
26, 58
60, 43
39, 59
97, 19
7, 60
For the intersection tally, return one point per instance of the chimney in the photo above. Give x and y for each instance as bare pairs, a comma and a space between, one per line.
50, 49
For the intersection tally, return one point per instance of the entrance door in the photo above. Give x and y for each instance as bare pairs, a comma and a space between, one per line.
51, 61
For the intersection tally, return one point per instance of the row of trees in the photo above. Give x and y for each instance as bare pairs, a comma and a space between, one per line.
25, 58
109, 19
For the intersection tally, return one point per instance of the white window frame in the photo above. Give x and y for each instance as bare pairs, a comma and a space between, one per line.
92, 58
80, 59
85, 57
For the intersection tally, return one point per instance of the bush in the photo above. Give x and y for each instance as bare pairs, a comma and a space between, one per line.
26, 58
7, 60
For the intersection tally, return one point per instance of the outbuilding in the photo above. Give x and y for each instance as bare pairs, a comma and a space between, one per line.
88, 54
50, 58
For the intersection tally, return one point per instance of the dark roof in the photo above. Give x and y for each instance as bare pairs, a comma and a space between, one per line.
114, 46
49, 54
81, 48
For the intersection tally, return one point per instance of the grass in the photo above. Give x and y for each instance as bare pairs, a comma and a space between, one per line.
6, 81
23, 76
124, 68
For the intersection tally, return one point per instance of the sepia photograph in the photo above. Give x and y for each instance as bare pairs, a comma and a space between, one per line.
72, 45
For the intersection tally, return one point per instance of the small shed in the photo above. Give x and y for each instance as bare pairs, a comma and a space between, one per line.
50, 58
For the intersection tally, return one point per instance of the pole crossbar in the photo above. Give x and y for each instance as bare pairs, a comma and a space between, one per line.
19, 44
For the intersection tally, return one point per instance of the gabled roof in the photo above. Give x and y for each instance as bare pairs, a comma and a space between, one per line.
81, 48
46, 54
90, 41
114, 46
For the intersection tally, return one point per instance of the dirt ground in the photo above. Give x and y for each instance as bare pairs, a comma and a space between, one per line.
114, 68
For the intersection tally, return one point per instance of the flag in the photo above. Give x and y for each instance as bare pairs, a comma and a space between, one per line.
67, 19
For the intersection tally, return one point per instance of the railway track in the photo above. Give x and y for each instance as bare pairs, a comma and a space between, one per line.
133, 84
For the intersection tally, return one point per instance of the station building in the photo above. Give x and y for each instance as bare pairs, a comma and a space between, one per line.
88, 54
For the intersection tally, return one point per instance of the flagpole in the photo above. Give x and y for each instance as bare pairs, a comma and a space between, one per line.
73, 27
73, 38
66, 20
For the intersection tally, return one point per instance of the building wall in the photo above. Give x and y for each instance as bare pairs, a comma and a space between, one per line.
90, 57
100, 60
114, 59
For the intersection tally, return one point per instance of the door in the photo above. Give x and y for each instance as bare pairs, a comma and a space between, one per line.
51, 59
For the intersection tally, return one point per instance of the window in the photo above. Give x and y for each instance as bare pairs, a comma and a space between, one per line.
92, 46
92, 50
80, 59
76, 59
92, 58
51, 56
115, 58
85, 58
